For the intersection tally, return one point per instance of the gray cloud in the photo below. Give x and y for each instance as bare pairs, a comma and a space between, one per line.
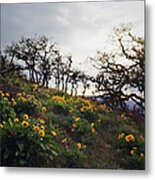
79, 28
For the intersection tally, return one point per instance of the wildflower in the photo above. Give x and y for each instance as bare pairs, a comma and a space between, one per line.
142, 138
141, 154
1, 126
132, 152
74, 125
7, 94
36, 128
2, 94
25, 117
71, 110
72, 130
135, 148
99, 120
43, 109
42, 127
41, 133
53, 133
120, 136
18, 94
123, 116
92, 125
6, 99
42, 121
13, 101
16, 120
4, 122
77, 119
129, 138
64, 140
93, 130
35, 87
79, 146
25, 123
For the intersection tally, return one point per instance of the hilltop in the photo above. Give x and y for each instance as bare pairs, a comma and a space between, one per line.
43, 127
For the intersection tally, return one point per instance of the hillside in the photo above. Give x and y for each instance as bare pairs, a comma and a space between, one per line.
43, 127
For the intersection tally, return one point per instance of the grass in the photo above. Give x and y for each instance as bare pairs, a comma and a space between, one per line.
77, 132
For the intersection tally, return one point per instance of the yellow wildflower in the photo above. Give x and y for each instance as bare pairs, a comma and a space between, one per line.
41, 133
18, 94
16, 120
72, 130
120, 136
77, 119
42, 121
93, 130
35, 87
142, 154
25, 117
64, 140
7, 94
1, 126
129, 138
79, 146
2, 94
132, 151
142, 138
36, 128
42, 127
4, 122
43, 109
92, 125
71, 110
25, 123
6, 99
53, 133
135, 148
74, 125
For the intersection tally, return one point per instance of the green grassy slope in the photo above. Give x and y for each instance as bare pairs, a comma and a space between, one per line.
48, 128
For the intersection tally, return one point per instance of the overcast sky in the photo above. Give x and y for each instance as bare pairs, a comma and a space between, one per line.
79, 28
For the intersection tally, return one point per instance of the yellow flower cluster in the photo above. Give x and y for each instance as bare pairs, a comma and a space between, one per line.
13, 101
105, 108
59, 99
35, 87
120, 136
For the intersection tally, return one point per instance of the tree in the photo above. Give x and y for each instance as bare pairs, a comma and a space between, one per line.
35, 55
121, 74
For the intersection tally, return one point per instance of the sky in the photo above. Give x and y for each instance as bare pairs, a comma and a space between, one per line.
79, 28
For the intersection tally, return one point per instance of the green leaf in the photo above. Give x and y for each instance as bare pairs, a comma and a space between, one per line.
10, 122
17, 153
20, 146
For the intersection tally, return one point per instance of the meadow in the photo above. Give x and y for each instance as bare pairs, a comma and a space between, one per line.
45, 127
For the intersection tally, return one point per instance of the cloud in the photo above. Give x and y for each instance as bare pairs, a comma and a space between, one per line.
79, 28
